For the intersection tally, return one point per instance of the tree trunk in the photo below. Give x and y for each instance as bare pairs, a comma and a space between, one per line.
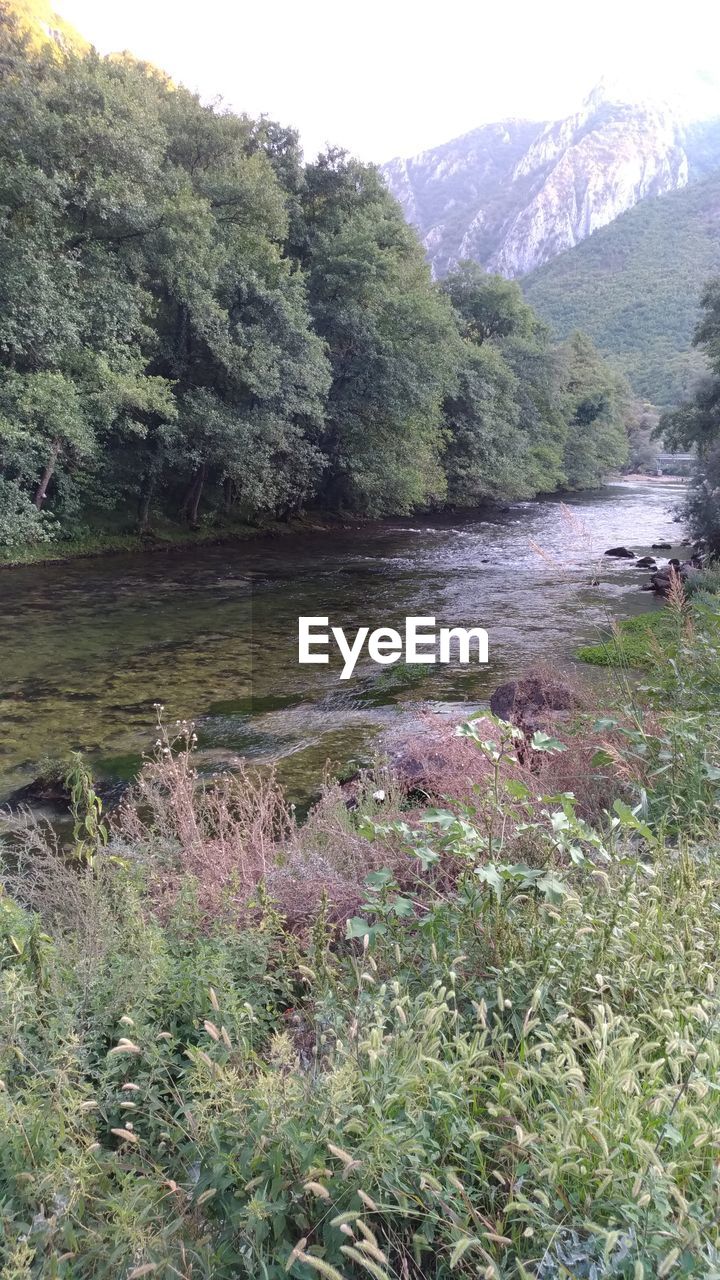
146, 498
197, 496
47, 475
228, 494
187, 502
191, 502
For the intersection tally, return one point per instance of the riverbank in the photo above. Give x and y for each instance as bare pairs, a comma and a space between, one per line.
388, 1035
638, 477
167, 538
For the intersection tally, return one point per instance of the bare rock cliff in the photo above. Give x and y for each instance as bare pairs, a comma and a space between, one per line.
514, 195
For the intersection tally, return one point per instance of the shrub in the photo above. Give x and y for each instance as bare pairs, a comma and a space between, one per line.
706, 582
21, 524
498, 1082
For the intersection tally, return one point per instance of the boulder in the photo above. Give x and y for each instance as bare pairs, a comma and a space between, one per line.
646, 562
51, 791
662, 580
532, 702
662, 546
621, 553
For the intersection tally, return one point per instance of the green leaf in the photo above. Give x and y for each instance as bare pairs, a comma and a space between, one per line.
426, 855
379, 879
403, 907
518, 790
461, 1249
552, 888
543, 742
490, 876
628, 818
357, 927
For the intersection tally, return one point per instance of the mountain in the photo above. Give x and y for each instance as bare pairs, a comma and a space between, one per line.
514, 195
634, 287
43, 25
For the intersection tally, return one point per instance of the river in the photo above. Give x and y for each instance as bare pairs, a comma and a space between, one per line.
88, 647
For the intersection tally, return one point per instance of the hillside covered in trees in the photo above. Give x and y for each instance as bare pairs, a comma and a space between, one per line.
195, 326
635, 287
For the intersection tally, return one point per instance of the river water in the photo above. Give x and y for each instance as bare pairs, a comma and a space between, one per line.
87, 648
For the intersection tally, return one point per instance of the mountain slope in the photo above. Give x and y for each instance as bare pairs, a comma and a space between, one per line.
43, 25
634, 287
514, 195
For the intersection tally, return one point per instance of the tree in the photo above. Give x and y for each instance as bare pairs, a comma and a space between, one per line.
643, 445
484, 456
695, 424
194, 325
390, 337
598, 404
488, 306
506, 431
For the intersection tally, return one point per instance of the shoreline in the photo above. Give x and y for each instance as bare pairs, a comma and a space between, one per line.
103, 545
638, 477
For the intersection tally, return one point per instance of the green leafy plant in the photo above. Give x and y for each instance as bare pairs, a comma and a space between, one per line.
90, 832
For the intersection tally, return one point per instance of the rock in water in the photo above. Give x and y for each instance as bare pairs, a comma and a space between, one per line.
621, 553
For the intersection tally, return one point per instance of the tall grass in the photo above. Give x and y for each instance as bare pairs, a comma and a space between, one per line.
505, 1065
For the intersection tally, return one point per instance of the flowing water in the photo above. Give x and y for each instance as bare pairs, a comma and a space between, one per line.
87, 648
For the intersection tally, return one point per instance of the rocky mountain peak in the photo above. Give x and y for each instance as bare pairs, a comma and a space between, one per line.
513, 195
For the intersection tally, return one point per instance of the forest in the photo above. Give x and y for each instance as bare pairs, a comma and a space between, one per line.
695, 424
634, 287
197, 327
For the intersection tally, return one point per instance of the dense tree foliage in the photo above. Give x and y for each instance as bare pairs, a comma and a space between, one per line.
195, 324
695, 423
525, 418
634, 286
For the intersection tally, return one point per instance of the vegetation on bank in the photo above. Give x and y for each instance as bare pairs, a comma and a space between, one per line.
633, 642
695, 424
164, 536
650, 639
476, 1039
194, 325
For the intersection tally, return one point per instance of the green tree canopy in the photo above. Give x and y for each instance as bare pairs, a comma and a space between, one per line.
196, 325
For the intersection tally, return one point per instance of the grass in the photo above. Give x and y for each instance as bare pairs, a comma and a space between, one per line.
636, 642
412, 1044
467, 1104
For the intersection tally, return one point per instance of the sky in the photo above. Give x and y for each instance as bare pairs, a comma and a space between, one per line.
395, 77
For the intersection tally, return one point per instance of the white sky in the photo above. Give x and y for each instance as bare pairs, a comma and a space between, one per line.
393, 77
